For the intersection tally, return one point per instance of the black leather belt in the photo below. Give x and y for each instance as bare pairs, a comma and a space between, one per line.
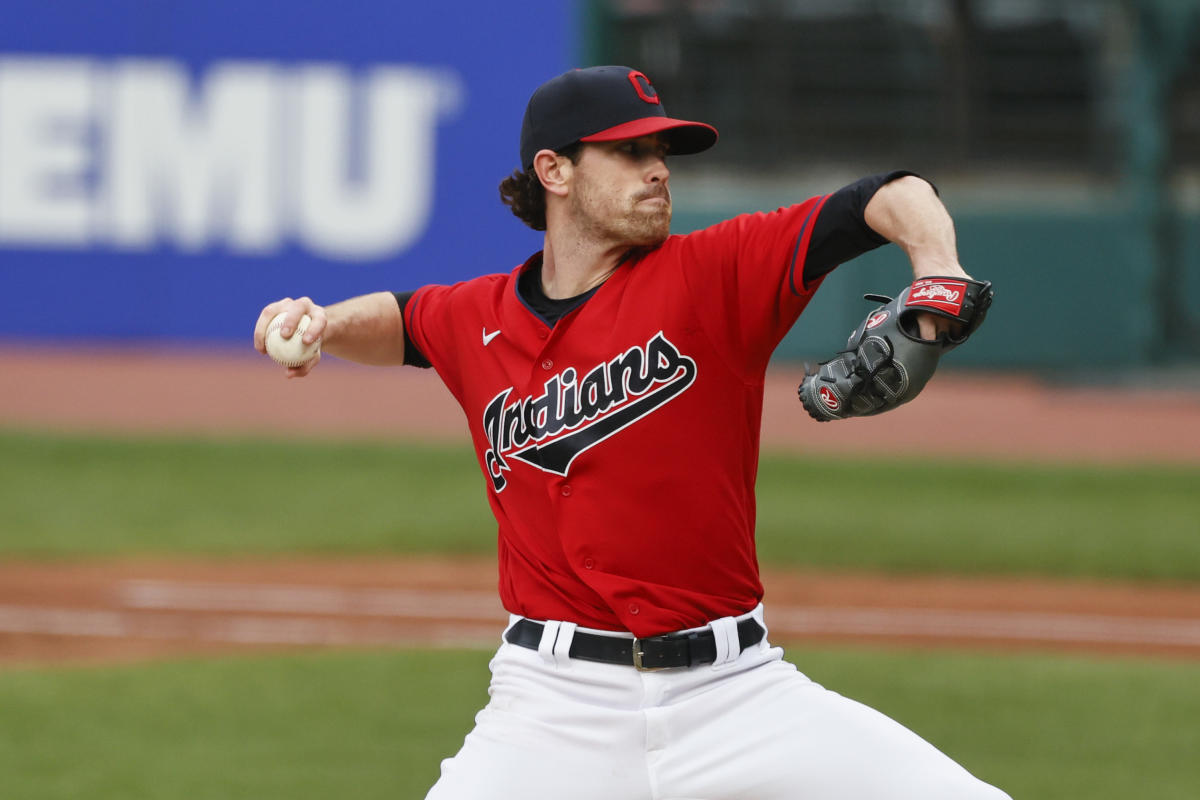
654, 652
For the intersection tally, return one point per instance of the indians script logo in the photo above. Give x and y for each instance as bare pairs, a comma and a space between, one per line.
571, 415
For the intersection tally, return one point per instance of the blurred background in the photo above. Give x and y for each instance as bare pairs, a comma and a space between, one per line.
218, 583
1063, 134
212, 154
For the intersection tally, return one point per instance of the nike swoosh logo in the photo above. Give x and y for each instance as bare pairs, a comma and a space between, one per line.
487, 337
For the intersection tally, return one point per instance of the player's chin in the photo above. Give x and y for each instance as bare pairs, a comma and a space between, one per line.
651, 230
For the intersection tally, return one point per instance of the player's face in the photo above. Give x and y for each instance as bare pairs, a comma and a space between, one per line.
620, 191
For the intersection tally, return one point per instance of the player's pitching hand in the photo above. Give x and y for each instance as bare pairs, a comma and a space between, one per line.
293, 311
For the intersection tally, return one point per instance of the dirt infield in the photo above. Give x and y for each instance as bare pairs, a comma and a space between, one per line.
141, 609
138, 609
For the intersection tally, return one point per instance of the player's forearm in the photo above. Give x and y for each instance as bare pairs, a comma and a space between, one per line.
907, 212
368, 330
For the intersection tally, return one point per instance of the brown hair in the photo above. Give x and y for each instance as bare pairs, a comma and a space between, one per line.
523, 193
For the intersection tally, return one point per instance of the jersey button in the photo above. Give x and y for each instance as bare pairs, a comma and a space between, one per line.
543, 334
566, 490
634, 609
547, 364
589, 563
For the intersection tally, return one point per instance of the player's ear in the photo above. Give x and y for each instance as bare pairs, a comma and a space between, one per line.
553, 170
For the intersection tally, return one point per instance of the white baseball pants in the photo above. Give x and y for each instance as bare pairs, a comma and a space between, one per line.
750, 727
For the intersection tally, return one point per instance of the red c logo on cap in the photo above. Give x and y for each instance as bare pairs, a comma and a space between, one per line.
643, 87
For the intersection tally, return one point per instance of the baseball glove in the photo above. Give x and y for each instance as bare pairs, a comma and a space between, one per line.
886, 363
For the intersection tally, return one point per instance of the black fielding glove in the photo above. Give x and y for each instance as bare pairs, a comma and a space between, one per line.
886, 363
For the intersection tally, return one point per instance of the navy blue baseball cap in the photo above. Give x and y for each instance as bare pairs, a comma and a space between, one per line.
603, 104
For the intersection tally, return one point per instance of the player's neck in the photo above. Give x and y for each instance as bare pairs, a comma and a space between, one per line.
572, 265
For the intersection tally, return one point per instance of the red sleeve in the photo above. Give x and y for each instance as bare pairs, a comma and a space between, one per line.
425, 318
745, 279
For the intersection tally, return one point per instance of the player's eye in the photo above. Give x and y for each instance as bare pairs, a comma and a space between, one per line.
637, 150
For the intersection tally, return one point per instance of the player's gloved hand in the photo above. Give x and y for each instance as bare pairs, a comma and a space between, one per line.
886, 363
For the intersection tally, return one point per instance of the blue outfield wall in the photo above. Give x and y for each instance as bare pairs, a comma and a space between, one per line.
167, 168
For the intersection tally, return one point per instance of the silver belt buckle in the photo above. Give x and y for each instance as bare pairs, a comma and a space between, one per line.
637, 658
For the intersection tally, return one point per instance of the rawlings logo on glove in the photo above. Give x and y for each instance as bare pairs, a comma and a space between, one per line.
886, 363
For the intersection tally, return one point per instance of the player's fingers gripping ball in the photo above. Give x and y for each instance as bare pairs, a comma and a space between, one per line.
886, 363
292, 351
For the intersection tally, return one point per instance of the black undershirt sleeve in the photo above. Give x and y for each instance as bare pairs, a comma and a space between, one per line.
412, 356
841, 231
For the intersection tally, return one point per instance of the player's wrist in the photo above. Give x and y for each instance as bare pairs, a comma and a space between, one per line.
937, 267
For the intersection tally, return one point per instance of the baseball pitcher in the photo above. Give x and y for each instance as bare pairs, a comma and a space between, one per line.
613, 384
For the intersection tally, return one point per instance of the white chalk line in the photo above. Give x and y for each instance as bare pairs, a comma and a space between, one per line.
996, 625
321, 615
237, 629
424, 604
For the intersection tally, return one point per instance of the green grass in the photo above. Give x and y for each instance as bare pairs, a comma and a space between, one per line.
343, 725
76, 496
83, 496
375, 725
1134, 522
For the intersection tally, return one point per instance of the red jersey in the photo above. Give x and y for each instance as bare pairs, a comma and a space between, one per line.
620, 446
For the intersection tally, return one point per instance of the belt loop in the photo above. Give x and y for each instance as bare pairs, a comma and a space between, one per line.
725, 636
760, 616
546, 645
562, 645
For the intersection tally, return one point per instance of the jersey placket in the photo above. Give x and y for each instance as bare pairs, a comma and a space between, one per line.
560, 489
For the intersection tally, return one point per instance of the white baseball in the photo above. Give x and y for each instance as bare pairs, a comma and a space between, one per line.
292, 351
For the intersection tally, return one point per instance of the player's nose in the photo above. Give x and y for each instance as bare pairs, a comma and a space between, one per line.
658, 171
